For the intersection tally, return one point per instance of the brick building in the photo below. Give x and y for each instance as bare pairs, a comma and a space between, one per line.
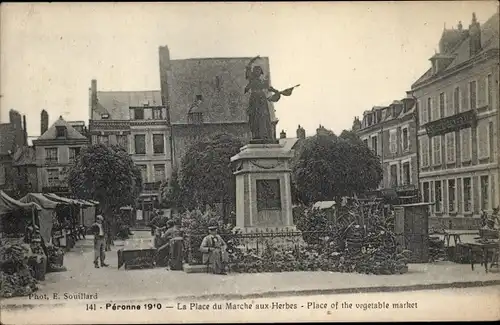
13, 137
458, 104
391, 132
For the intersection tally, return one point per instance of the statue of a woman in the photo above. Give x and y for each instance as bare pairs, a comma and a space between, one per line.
258, 109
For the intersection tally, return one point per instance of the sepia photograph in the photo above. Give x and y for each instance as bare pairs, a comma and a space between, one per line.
218, 162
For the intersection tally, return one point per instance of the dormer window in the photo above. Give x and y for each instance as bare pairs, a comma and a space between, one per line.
104, 116
61, 131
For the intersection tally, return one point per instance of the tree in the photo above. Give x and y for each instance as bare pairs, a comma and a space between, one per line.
206, 177
106, 174
328, 167
171, 192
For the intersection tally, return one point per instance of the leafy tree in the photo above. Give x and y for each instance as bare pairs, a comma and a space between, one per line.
106, 174
206, 177
328, 167
171, 192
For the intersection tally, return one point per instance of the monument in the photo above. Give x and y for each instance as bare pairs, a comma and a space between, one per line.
262, 168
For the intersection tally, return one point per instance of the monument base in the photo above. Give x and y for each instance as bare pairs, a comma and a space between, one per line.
263, 187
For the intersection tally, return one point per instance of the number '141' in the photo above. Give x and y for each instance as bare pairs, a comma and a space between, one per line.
90, 307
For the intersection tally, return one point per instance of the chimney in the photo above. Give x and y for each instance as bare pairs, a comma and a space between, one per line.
93, 95
356, 124
44, 122
165, 74
301, 133
282, 134
460, 26
474, 36
25, 131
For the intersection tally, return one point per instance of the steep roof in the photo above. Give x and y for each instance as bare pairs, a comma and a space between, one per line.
51, 133
288, 143
117, 103
220, 81
7, 134
489, 40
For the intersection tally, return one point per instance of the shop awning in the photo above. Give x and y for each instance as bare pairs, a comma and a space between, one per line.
39, 199
8, 204
57, 198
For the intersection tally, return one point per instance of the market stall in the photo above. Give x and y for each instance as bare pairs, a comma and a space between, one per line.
68, 211
22, 261
47, 215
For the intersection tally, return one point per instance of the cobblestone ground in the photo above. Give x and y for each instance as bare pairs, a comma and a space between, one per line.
118, 284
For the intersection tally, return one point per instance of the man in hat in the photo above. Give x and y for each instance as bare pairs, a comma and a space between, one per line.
213, 248
99, 242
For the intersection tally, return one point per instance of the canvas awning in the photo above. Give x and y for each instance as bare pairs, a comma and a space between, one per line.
8, 204
39, 199
57, 198
93, 201
85, 203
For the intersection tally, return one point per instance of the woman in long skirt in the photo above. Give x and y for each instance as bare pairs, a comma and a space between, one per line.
213, 248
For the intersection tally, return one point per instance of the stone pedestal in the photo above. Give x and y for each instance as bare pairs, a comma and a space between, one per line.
263, 188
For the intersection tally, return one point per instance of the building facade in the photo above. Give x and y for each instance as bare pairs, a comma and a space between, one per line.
55, 151
459, 125
13, 138
137, 121
391, 132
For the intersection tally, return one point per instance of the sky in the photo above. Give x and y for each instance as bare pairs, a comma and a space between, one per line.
347, 56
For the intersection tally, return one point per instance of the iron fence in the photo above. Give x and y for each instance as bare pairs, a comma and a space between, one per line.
295, 241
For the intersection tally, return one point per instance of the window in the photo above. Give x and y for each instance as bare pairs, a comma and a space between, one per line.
53, 177
429, 108
140, 144
144, 173
424, 151
218, 82
158, 143
159, 173
466, 141
406, 173
485, 189
424, 114
442, 104
73, 153
467, 191
452, 204
393, 173
122, 141
51, 155
426, 190
456, 100
473, 94
138, 113
405, 139
61, 131
483, 140
268, 194
103, 139
489, 90
436, 150
375, 144
438, 196
393, 141
157, 114
365, 141
450, 147
104, 116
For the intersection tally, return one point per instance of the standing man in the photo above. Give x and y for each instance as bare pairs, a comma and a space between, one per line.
99, 242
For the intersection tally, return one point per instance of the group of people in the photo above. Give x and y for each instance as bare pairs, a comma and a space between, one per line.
169, 242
